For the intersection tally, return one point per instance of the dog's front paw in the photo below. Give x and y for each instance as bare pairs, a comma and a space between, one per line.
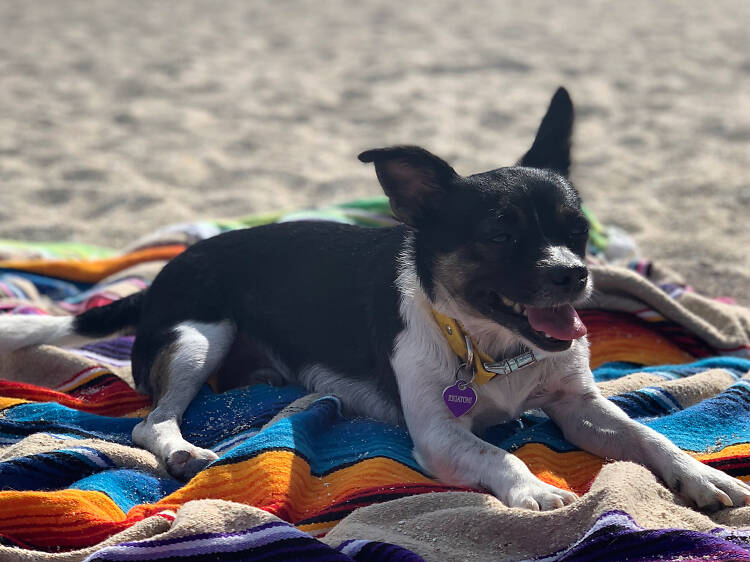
707, 488
537, 496
186, 462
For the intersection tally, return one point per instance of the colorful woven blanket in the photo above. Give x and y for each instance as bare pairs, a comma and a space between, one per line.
295, 480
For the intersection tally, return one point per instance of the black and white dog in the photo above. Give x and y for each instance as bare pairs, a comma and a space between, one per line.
484, 272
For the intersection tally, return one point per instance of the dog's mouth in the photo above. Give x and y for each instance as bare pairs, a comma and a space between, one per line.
551, 328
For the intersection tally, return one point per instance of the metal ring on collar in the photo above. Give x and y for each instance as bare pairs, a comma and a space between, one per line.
461, 382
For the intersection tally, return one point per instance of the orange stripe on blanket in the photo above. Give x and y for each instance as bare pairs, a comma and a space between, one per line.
52, 519
276, 481
741, 450
280, 483
632, 342
8, 402
91, 271
571, 470
734, 458
576, 470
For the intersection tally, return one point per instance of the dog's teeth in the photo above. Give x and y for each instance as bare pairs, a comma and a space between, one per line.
524, 311
517, 308
507, 302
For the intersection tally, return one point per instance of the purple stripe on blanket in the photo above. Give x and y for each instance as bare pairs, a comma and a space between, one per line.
616, 536
275, 540
117, 348
202, 536
371, 551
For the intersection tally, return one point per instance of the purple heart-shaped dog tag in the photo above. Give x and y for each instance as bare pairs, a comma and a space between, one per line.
460, 398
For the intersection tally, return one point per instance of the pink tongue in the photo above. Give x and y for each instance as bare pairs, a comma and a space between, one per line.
561, 322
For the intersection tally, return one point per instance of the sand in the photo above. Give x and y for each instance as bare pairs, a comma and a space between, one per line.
120, 117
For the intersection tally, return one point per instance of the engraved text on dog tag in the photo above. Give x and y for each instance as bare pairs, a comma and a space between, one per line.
460, 398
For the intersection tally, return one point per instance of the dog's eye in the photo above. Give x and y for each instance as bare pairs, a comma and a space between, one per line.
492, 230
581, 229
501, 238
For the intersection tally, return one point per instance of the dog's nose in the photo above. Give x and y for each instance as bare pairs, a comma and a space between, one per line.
569, 277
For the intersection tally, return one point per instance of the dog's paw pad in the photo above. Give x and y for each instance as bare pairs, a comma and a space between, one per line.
183, 464
179, 457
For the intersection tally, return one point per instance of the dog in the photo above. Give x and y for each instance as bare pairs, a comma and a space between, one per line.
459, 318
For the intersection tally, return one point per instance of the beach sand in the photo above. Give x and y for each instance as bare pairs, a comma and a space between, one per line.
120, 117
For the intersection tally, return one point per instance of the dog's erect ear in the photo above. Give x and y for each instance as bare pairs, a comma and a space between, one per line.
551, 148
412, 178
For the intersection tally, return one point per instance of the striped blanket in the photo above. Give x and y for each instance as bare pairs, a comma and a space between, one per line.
296, 480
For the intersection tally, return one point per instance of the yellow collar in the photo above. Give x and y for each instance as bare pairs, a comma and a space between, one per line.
485, 368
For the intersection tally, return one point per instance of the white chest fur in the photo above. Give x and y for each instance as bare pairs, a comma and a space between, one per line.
506, 397
425, 365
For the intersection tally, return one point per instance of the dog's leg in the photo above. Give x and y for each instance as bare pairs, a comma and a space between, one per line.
444, 445
448, 449
593, 423
195, 353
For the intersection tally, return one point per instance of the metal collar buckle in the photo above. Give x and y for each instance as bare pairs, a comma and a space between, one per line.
507, 366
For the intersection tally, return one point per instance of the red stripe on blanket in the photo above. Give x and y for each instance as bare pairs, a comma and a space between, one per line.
110, 397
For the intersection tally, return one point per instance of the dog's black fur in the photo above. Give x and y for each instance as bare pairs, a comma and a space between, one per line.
313, 292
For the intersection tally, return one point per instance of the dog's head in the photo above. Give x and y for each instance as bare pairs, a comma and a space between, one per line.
507, 245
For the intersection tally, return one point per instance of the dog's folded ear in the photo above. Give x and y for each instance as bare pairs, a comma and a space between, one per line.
551, 148
412, 178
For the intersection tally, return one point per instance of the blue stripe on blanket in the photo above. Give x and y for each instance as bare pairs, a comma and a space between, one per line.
53, 470
128, 488
328, 441
22, 420
212, 418
54, 288
648, 402
730, 411
641, 404
656, 408
734, 365
209, 419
